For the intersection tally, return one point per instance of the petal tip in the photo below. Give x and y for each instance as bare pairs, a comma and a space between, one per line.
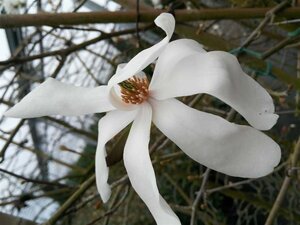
7, 113
266, 121
272, 161
166, 21
105, 193
19, 110
12, 112
164, 17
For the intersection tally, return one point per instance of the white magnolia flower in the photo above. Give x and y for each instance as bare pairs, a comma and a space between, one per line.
183, 68
12, 6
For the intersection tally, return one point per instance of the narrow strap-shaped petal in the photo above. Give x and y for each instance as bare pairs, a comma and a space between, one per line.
166, 22
140, 171
216, 73
110, 125
232, 149
53, 97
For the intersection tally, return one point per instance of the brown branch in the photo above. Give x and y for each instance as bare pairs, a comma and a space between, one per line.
284, 188
178, 189
51, 19
10, 139
282, 44
33, 180
66, 51
9, 219
21, 199
114, 207
240, 183
269, 16
44, 155
198, 197
76, 195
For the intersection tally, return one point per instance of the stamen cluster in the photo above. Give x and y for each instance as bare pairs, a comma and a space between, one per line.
134, 90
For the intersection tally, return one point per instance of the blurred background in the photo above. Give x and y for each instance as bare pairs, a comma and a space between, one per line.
45, 160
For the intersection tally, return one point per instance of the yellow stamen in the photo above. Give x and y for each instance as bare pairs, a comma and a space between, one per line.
134, 90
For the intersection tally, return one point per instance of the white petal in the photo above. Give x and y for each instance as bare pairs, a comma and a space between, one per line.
56, 98
140, 171
219, 74
110, 125
232, 149
166, 22
172, 55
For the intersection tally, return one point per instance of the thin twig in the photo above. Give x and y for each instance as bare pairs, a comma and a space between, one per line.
269, 17
231, 185
114, 206
199, 195
284, 187
76, 47
10, 139
50, 183
239, 183
44, 155
285, 42
179, 189
74, 197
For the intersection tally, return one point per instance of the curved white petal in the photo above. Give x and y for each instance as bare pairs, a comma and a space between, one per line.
140, 171
53, 97
172, 55
110, 125
166, 22
232, 149
219, 74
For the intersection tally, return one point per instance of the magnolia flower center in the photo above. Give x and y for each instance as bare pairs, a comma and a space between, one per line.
134, 90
